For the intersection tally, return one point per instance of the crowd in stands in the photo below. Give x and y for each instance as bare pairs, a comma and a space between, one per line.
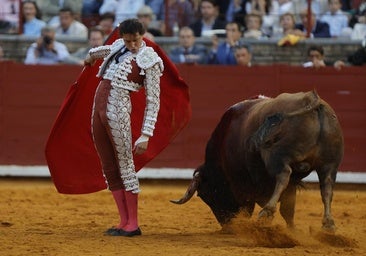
226, 22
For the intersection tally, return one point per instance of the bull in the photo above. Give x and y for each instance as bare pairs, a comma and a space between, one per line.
261, 150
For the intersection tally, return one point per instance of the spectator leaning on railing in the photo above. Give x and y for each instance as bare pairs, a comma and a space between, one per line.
243, 55
316, 58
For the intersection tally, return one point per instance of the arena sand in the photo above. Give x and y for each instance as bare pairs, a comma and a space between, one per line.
36, 220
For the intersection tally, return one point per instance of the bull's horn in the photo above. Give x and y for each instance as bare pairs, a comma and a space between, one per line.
192, 188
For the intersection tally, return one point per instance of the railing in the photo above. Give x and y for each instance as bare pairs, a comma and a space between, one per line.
265, 52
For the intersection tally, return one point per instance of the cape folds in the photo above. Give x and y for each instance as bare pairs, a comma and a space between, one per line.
70, 153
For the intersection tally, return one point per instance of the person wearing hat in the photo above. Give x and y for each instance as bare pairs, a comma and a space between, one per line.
147, 17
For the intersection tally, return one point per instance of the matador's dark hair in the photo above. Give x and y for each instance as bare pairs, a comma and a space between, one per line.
131, 26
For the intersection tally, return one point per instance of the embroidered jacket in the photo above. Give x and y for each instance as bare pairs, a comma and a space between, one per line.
136, 70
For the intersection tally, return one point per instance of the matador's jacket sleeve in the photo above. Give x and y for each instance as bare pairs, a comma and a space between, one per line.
152, 67
100, 51
106, 52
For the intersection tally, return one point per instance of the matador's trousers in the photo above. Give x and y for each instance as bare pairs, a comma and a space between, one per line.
111, 128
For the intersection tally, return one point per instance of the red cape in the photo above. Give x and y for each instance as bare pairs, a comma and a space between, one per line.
70, 153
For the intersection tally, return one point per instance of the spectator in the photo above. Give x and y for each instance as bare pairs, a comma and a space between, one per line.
69, 26
188, 51
315, 55
337, 20
146, 16
157, 7
95, 39
223, 53
263, 8
358, 58
253, 24
106, 22
243, 55
90, 12
123, 9
32, 19
359, 15
287, 26
50, 9
318, 7
181, 14
209, 19
9, 16
1, 54
319, 29
279, 7
359, 31
46, 50
358, 22
232, 10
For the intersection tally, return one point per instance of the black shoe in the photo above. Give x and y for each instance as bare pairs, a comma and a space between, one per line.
121, 232
110, 230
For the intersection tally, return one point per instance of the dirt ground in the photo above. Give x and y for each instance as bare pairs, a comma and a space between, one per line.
36, 220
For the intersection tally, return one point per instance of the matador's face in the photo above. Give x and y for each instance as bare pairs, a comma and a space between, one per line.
133, 42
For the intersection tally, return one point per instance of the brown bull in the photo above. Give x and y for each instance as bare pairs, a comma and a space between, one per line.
262, 149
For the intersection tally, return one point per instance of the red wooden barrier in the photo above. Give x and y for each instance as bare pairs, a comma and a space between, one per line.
31, 95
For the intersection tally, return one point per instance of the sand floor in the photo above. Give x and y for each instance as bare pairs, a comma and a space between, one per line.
36, 220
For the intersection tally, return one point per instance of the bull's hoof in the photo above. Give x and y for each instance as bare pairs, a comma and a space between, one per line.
265, 216
329, 226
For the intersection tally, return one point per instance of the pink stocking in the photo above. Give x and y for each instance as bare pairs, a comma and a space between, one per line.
119, 198
131, 202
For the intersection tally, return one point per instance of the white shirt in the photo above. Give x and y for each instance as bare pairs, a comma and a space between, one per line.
123, 9
337, 22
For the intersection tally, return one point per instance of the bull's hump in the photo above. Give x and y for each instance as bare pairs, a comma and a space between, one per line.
287, 103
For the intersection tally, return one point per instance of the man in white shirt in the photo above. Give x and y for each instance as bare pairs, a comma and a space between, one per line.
336, 19
123, 9
68, 26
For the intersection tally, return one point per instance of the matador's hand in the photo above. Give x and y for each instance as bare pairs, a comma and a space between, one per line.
141, 144
89, 60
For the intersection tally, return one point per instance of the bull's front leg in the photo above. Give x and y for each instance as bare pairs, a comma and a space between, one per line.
327, 179
282, 180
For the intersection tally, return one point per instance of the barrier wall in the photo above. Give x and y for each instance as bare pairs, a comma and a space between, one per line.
30, 97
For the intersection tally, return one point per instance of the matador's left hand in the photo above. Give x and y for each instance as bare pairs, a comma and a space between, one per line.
141, 144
